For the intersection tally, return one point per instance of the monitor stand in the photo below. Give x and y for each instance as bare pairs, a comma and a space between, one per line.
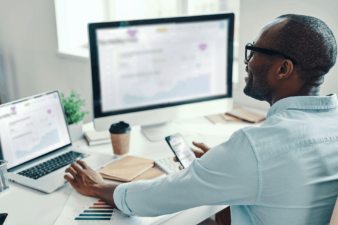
158, 132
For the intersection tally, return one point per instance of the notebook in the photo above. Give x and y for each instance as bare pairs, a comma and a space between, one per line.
222, 118
147, 175
96, 138
236, 115
246, 115
126, 168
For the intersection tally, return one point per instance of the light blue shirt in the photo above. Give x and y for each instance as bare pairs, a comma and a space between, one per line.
283, 172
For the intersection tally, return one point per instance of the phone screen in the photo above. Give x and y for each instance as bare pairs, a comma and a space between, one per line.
181, 149
3, 217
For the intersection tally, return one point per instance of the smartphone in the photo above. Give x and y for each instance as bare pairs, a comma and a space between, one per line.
3, 217
181, 149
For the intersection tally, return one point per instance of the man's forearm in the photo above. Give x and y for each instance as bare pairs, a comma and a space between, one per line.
106, 192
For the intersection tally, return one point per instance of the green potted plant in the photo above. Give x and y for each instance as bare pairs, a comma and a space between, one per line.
73, 106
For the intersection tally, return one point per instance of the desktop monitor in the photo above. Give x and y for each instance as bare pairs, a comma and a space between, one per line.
151, 72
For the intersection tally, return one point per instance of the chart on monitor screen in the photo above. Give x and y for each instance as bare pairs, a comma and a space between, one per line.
34, 132
154, 64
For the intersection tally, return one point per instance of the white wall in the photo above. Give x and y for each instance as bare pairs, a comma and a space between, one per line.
256, 13
29, 45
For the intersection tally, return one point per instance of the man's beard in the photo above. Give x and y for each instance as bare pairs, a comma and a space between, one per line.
259, 87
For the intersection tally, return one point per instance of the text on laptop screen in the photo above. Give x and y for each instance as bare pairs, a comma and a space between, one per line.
32, 128
154, 64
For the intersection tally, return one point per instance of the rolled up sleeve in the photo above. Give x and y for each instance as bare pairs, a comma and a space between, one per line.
120, 198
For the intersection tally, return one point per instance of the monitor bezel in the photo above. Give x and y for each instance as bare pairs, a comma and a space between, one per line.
94, 59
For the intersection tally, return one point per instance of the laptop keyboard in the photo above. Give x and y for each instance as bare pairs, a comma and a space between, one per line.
51, 165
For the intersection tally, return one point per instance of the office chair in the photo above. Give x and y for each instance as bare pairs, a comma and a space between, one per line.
224, 217
334, 217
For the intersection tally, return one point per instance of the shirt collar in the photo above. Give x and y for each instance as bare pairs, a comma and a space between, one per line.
304, 102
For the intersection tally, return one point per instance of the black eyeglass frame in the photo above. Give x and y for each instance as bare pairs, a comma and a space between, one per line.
264, 51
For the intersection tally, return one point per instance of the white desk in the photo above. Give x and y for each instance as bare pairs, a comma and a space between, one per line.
27, 206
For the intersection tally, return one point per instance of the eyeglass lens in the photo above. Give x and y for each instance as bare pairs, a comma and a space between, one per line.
248, 54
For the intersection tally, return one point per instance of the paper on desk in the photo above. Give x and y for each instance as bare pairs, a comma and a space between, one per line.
77, 204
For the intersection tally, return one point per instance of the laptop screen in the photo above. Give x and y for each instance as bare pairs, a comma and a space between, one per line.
31, 128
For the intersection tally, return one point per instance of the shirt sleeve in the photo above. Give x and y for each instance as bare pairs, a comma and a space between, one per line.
225, 175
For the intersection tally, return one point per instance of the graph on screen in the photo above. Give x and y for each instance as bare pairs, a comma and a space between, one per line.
161, 64
49, 139
34, 133
188, 87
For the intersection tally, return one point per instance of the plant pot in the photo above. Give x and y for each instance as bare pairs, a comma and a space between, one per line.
75, 131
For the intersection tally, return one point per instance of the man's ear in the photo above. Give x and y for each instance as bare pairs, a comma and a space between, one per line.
285, 69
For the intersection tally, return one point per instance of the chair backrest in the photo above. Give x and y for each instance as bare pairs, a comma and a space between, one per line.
334, 217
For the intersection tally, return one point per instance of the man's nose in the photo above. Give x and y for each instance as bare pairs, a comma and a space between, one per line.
246, 61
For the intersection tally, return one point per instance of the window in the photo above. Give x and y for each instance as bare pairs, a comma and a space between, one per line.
72, 17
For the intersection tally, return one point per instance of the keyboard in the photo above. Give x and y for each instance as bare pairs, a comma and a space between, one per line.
168, 165
51, 165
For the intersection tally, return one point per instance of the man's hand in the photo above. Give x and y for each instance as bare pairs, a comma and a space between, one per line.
198, 153
85, 180
201, 146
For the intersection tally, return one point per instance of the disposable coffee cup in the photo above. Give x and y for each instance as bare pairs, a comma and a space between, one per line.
120, 137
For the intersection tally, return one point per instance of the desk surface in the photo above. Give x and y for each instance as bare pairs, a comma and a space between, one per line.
27, 206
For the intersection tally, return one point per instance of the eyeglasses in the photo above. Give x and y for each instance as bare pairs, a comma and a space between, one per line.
249, 49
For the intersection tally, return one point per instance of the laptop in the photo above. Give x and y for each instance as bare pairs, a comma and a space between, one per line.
36, 143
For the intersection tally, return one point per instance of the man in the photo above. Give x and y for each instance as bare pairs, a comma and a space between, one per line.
283, 172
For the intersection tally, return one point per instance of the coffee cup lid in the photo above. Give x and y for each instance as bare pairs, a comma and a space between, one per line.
119, 128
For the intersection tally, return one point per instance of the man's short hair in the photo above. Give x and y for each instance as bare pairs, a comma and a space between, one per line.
311, 43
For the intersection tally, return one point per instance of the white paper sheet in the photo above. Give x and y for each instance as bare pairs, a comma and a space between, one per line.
86, 210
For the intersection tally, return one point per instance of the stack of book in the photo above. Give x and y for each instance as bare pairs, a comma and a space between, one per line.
94, 137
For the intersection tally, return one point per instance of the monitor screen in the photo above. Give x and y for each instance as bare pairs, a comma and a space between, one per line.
31, 128
154, 64
168, 62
